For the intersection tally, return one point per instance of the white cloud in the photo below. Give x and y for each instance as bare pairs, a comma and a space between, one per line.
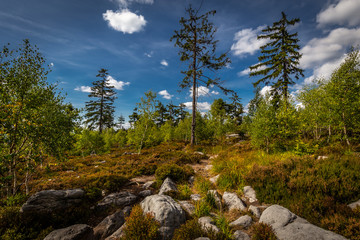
201, 91
149, 55
164, 63
83, 89
118, 85
215, 92
124, 21
247, 42
51, 64
247, 71
165, 94
202, 106
265, 90
126, 3
318, 51
345, 12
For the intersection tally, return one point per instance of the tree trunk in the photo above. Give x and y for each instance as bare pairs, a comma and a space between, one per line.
193, 123
345, 130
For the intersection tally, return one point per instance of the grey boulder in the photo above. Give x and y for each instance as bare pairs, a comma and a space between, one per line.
354, 204
243, 221
119, 199
166, 211
288, 226
109, 225
240, 235
167, 186
232, 201
250, 194
74, 232
207, 223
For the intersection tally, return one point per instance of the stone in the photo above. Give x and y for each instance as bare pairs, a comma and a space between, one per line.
188, 207
208, 223
166, 211
255, 210
145, 193
208, 167
232, 201
149, 184
250, 194
127, 210
167, 186
49, 201
322, 157
118, 234
191, 180
214, 179
217, 197
74, 232
109, 225
243, 221
354, 204
288, 226
232, 136
119, 199
240, 235
195, 197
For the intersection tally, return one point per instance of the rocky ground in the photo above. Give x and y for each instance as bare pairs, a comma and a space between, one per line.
171, 213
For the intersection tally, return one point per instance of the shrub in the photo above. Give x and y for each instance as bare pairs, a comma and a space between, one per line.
175, 172
202, 185
184, 192
110, 183
189, 231
140, 226
202, 208
222, 223
262, 231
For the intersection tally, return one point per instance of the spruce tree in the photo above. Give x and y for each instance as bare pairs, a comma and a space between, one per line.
100, 112
280, 58
198, 47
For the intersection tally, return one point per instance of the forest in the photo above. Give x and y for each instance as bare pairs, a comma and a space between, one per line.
297, 149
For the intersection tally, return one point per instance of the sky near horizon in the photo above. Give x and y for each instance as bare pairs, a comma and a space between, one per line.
130, 38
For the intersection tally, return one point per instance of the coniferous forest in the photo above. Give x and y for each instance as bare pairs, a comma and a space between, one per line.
298, 149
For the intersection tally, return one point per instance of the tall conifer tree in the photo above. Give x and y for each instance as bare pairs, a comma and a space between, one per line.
100, 112
197, 45
280, 58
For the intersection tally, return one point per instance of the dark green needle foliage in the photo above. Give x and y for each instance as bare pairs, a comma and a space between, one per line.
197, 44
100, 112
280, 57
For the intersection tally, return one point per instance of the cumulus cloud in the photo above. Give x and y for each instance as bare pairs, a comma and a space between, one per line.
124, 21
118, 85
164, 63
86, 89
265, 90
247, 71
202, 106
321, 50
344, 12
165, 94
126, 3
246, 41
201, 91
215, 92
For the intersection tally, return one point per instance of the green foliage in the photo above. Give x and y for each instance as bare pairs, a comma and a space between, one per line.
89, 142
202, 185
222, 223
184, 192
202, 208
140, 226
189, 230
100, 112
175, 172
110, 183
262, 231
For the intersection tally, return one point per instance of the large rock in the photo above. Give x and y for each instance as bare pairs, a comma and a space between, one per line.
250, 194
167, 186
48, 201
109, 225
188, 207
166, 211
240, 235
232, 201
118, 234
243, 221
195, 197
120, 199
74, 232
255, 210
354, 204
207, 223
214, 179
288, 226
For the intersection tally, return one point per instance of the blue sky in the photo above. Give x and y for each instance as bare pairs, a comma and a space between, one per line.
130, 38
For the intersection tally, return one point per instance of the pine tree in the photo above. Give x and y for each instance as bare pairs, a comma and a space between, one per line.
198, 46
280, 58
100, 112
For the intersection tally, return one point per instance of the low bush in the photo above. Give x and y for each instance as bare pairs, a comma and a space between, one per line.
262, 231
202, 208
140, 226
175, 172
202, 185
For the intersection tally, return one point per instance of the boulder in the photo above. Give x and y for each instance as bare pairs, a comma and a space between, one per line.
243, 221
166, 211
354, 204
74, 232
118, 234
214, 179
232, 201
167, 186
48, 201
207, 223
188, 207
240, 235
217, 197
149, 184
195, 197
109, 225
145, 193
120, 199
288, 226
127, 210
250, 194
255, 210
